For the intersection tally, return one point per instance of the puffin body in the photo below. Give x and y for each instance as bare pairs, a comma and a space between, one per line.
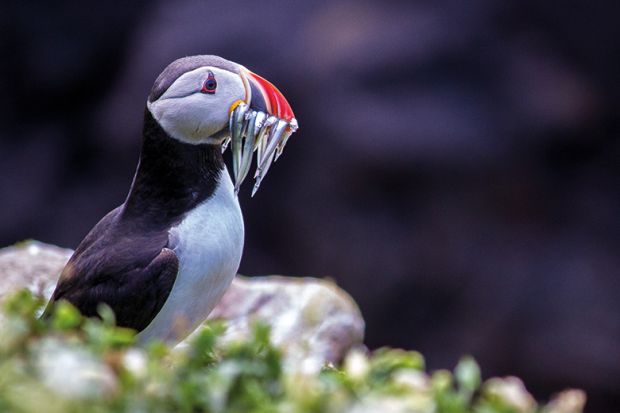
164, 258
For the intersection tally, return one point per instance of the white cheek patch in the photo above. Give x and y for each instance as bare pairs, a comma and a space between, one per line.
188, 119
193, 117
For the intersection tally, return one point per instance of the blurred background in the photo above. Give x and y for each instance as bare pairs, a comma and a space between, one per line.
457, 169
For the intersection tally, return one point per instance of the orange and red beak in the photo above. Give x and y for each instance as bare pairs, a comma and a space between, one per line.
265, 97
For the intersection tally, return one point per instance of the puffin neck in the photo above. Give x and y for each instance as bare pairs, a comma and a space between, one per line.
172, 177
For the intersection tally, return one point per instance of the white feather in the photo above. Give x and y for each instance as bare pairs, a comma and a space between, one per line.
193, 117
209, 244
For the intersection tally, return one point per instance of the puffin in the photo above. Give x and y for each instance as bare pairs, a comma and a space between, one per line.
163, 258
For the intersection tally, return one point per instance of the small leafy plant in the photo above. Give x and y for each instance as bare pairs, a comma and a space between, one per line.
67, 363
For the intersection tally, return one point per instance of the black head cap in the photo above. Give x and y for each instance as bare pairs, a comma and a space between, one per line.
184, 65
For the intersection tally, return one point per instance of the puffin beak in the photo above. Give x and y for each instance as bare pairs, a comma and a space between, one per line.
262, 124
267, 98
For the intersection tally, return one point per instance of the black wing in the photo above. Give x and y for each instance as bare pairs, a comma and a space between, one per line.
133, 274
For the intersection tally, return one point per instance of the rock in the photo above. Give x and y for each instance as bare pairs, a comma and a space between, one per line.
568, 401
312, 320
33, 265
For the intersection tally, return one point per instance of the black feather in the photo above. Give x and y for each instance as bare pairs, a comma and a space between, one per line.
126, 261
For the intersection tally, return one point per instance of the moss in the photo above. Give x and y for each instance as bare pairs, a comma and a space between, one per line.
24, 243
71, 364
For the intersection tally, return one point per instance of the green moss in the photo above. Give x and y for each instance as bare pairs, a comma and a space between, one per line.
71, 364
24, 243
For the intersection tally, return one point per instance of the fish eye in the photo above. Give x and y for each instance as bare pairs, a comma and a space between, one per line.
210, 84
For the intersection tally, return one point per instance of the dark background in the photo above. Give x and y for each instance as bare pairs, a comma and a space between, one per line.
457, 169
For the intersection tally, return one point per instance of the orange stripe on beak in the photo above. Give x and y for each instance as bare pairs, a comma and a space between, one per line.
277, 105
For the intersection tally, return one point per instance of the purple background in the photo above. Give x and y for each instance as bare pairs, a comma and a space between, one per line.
457, 169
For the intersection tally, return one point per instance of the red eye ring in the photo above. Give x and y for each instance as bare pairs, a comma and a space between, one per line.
210, 84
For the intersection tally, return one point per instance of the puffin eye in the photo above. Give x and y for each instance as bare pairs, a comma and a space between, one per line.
210, 84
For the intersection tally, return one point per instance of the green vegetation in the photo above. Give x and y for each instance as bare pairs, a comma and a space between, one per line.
71, 364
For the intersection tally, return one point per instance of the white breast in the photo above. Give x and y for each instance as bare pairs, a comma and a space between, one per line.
208, 243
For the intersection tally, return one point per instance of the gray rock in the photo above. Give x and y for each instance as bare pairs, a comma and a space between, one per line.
312, 320
33, 265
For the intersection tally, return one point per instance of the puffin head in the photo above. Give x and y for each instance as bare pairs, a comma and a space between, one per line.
210, 100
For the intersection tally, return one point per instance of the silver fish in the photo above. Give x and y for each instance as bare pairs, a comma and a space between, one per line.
255, 131
248, 148
225, 144
237, 125
274, 139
